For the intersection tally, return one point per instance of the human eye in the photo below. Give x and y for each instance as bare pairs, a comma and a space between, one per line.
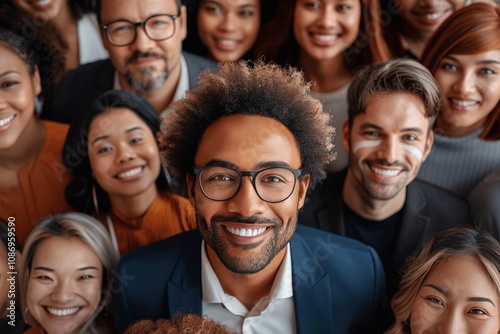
43, 278
220, 178
104, 149
136, 140
212, 9
343, 8
158, 22
371, 133
487, 71
449, 66
276, 177
9, 84
477, 311
247, 12
120, 27
85, 277
435, 300
312, 5
410, 137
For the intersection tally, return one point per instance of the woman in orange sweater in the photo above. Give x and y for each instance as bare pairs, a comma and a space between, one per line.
112, 152
32, 176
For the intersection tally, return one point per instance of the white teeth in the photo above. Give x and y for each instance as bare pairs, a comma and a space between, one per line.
463, 103
6, 120
325, 38
250, 232
63, 312
227, 41
130, 173
385, 172
42, 2
433, 16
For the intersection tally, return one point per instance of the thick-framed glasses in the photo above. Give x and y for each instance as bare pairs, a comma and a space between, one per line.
272, 185
157, 27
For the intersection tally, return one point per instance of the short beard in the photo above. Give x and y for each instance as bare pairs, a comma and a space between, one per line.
147, 82
278, 241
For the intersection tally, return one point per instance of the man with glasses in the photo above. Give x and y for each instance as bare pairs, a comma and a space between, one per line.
250, 141
144, 42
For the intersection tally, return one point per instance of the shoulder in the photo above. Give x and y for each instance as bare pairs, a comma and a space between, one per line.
434, 194
198, 63
100, 67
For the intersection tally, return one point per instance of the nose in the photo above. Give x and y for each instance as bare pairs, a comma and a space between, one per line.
142, 42
228, 22
63, 292
246, 202
388, 149
328, 18
125, 153
451, 322
466, 83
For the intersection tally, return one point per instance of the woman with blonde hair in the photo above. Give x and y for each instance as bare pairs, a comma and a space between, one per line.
464, 57
66, 275
451, 285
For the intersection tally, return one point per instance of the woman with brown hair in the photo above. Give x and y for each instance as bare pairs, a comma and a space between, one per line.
464, 57
327, 40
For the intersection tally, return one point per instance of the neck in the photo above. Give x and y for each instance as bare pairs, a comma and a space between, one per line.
328, 75
161, 97
415, 41
449, 130
356, 198
134, 207
248, 288
26, 148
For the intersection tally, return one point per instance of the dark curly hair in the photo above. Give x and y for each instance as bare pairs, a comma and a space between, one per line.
36, 51
250, 89
75, 151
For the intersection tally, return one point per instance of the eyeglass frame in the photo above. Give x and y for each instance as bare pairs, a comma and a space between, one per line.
296, 172
138, 24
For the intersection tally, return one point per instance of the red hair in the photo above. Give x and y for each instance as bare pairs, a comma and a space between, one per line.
471, 30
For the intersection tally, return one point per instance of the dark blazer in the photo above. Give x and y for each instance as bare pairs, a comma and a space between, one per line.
90, 80
337, 282
427, 210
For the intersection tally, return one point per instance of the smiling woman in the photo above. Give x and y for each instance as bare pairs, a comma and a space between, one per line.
68, 291
451, 286
464, 57
112, 153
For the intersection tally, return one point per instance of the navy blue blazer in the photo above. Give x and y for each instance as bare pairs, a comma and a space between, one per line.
91, 80
338, 282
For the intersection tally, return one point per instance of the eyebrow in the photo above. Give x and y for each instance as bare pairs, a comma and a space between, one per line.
135, 128
365, 126
470, 299
483, 62
260, 165
79, 269
7, 73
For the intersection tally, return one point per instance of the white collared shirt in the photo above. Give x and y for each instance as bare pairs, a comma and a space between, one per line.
182, 85
274, 313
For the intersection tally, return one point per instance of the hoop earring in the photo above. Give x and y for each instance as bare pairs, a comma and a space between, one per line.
25, 316
94, 199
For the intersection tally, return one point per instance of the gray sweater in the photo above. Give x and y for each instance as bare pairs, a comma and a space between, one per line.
459, 163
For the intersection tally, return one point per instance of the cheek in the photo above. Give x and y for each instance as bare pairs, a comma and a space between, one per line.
93, 293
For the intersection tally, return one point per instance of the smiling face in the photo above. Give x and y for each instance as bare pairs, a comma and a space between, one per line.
18, 90
228, 28
146, 64
325, 29
387, 145
64, 287
247, 143
41, 9
470, 85
425, 16
457, 296
123, 154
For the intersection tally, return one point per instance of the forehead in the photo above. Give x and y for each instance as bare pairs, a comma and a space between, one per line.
10, 58
75, 252
247, 141
114, 121
394, 111
491, 57
135, 10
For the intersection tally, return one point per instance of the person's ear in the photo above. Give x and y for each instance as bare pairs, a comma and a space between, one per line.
190, 183
345, 137
183, 22
303, 183
428, 145
37, 83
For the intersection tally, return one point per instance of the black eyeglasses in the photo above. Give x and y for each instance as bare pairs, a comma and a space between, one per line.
157, 27
272, 185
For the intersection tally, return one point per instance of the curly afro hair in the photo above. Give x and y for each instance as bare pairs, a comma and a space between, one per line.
179, 324
251, 89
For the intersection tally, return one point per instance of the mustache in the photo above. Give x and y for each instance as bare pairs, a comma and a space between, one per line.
245, 220
137, 55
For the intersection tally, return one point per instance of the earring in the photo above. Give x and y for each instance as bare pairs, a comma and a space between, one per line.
94, 198
25, 316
